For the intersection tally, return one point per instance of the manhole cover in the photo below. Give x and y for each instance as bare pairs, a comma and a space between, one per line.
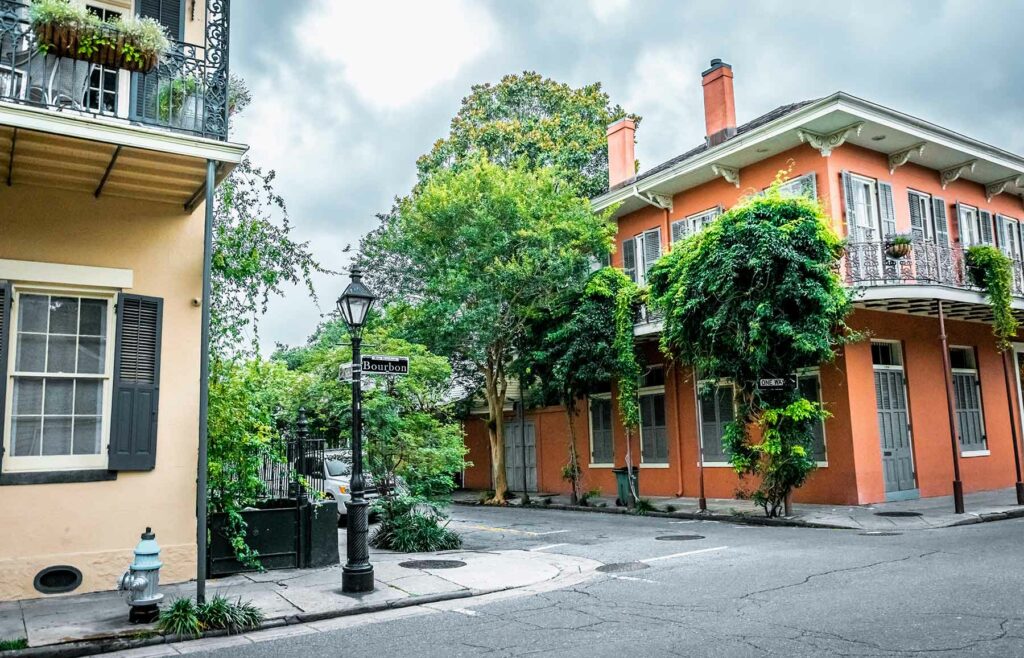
432, 564
898, 514
620, 567
880, 533
679, 537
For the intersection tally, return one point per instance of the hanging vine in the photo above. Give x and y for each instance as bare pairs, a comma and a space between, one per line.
992, 271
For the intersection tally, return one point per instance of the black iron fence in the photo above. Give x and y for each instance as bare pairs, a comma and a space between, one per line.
295, 469
868, 264
186, 92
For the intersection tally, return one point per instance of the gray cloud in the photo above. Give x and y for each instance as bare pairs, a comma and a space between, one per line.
342, 153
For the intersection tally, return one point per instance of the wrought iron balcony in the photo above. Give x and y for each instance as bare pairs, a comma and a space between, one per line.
867, 264
187, 92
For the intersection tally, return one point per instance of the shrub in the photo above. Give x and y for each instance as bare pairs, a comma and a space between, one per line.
180, 618
13, 645
670, 508
644, 506
992, 271
411, 525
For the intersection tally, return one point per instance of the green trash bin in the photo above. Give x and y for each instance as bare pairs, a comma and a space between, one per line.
624, 495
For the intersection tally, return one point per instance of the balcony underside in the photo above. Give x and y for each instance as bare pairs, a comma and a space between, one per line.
958, 304
102, 160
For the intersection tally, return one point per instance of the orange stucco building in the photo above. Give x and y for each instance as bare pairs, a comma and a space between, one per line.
877, 172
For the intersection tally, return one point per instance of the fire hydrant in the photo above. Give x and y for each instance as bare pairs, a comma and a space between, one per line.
140, 585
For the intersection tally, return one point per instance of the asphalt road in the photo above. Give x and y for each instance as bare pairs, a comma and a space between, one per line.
735, 591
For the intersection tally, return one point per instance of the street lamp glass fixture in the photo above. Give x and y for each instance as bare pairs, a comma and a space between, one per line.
354, 304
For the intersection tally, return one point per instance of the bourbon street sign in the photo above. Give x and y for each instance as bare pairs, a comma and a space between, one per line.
375, 364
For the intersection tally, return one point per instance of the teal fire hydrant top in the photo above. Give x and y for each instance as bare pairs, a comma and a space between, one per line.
147, 553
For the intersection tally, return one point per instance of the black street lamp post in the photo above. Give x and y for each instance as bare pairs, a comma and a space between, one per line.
357, 574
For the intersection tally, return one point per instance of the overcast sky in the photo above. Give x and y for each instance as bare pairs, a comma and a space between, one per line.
348, 93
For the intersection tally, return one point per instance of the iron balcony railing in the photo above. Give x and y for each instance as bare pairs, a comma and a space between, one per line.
187, 91
867, 264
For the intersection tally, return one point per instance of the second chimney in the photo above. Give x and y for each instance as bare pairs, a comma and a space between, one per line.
719, 102
621, 154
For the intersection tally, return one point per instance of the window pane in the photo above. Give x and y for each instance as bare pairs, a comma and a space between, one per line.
59, 394
61, 356
63, 315
87, 436
90, 355
31, 355
94, 318
88, 397
28, 396
25, 437
32, 313
57, 436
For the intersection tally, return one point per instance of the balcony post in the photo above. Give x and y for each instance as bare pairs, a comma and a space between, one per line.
215, 99
1011, 403
958, 488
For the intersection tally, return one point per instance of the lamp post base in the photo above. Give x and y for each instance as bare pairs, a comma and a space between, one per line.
354, 581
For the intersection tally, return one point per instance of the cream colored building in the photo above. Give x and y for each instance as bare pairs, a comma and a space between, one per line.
103, 194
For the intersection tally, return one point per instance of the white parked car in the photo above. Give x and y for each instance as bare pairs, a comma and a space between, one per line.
337, 485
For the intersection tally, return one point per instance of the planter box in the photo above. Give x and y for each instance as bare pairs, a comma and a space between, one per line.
285, 536
62, 41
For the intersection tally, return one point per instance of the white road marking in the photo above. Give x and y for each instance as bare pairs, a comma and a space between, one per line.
470, 524
675, 555
682, 522
636, 580
544, 548
464, 611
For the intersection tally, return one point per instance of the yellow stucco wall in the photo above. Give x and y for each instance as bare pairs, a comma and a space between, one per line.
94, 526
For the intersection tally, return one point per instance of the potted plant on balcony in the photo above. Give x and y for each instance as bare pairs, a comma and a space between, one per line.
992, 271
898, 245
127, 42
180, 103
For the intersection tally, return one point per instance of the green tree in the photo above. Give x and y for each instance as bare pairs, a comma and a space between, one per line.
577, 351
488, 250
757, 294
534, 119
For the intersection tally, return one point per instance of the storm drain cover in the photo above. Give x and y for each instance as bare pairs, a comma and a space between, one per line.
620, 567
432, 564
880, 533
679, 537
898, 514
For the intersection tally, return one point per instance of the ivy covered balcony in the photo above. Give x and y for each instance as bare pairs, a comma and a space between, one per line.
184, 91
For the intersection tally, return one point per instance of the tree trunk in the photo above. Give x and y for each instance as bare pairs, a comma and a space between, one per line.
574, 459
494, 391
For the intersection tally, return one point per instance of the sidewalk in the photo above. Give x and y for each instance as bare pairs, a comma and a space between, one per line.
918, 514
88, 623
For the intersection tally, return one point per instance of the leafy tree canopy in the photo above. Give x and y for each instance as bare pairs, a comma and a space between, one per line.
534, 119
757, 294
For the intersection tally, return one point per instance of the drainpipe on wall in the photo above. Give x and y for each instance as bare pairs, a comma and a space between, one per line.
1010, 404
958, 487
204, 386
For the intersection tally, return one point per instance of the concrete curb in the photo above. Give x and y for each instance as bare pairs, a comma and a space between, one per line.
141, 639
742, 519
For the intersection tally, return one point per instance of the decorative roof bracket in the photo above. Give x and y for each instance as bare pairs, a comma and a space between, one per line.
900, 158
730, 174
947, 176
999, 186
827, 142
663, 201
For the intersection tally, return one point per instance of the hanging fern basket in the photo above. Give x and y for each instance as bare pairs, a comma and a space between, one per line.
108, 50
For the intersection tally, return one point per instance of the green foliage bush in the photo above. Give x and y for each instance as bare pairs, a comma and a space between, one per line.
757, 294
412, 525
13, 644
180, 618
186, 618
992, 270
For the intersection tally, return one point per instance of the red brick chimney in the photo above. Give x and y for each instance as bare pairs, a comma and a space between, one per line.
621, 154
719, 102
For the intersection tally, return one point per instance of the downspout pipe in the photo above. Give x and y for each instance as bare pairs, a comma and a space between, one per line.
204, 386
958, 487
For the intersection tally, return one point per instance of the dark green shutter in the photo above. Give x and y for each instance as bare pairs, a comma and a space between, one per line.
169, 13
985, 220
146, 87
941, 223
629, 258
5, 325
851, 212
136, 383
916, 218
886, 210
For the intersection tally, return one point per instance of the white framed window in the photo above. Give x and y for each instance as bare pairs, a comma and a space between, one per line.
970, 226
1009, 232
639, 254
805, 185
809, 384
716, 409
602, 443
922, 222
886, 354
970, 418
653, 427
865, 225
694, 223
60, 380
